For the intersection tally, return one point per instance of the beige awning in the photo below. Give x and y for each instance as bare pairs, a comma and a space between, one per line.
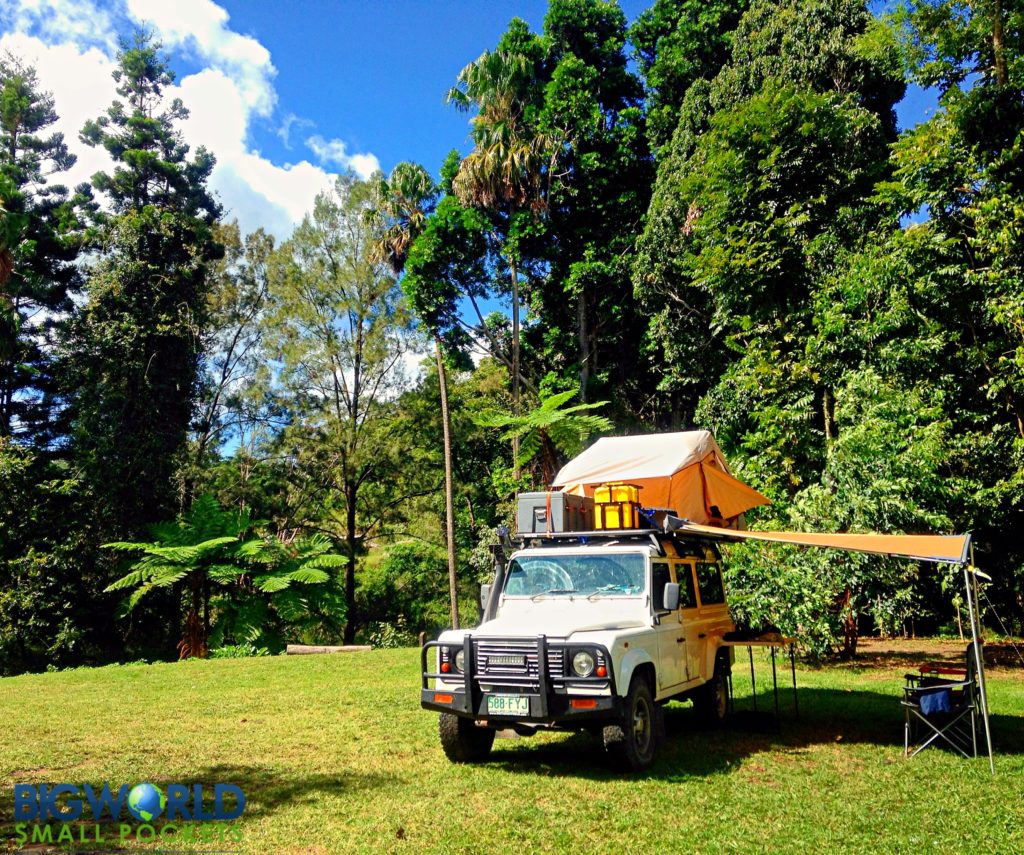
952, 548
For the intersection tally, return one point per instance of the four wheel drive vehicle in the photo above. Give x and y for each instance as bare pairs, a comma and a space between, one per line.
586, 631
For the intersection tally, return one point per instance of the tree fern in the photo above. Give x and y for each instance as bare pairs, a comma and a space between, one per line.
212, 548
549, 431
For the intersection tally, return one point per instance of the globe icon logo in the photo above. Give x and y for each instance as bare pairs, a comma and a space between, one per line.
145, 802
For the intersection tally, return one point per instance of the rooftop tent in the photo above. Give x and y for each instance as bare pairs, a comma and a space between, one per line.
683, 471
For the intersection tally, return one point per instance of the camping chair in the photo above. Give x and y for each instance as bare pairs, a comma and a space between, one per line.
947, 708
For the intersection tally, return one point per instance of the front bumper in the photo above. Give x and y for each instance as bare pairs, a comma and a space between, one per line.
554, 698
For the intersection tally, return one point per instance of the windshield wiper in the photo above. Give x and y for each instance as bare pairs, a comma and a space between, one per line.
609, 589
550, 591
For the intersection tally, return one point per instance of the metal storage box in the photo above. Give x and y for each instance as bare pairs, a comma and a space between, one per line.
543, 513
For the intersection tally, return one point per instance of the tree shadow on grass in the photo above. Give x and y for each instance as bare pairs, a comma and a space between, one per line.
269, 789
827, 717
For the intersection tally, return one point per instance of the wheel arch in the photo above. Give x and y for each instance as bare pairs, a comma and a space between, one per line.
636, 662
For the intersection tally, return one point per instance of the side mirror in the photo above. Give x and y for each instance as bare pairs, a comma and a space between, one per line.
485, 595
671, 596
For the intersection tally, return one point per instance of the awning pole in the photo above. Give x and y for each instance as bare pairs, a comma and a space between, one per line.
971, 583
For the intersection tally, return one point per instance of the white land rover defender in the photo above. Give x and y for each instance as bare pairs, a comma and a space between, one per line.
586, 631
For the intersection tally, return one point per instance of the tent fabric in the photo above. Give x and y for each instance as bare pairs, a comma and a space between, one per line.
730, 495
952, 549
684, 471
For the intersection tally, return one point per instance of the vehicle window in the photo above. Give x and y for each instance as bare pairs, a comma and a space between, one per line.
709, 583
660, 578
684, 576
601, 575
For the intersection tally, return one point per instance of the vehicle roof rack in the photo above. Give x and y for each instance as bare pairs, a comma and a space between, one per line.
602, 535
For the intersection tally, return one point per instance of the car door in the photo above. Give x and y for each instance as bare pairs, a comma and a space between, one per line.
689, 617
671, 641
711, 592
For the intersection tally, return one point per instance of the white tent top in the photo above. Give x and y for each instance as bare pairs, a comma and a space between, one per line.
633, 458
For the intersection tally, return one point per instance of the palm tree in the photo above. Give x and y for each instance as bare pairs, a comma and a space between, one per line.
511, 158
404, 201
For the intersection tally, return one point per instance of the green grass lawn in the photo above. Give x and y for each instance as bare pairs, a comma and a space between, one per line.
334, 755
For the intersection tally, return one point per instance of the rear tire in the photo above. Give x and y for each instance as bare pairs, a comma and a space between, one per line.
462, 740
712, 700
633, 744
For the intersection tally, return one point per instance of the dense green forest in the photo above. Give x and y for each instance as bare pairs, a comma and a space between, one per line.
212, 443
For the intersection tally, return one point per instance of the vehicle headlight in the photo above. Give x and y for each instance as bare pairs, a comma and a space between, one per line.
460, 660
583, 663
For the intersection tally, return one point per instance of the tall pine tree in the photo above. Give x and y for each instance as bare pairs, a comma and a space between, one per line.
40, 243
136, 344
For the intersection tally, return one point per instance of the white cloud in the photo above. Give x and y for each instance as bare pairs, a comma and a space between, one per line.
72, 44
82, 22
292, 186
336, 152
82, 88
287, 123
202, 27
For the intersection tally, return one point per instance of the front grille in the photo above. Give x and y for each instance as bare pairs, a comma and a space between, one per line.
507, 658
556, 662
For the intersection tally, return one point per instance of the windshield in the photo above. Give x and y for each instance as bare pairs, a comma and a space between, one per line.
585, 575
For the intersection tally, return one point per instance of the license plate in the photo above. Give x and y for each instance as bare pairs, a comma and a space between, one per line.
508, 705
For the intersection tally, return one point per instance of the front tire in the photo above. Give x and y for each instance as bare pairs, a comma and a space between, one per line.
462, 740
633, 744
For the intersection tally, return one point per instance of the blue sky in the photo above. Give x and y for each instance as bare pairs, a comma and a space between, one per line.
285, 94
375, 73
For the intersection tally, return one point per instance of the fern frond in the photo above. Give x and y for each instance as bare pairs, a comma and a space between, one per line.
137, 595
133, 578
125, 546
309, 575
271, 583
332, 560
259, 551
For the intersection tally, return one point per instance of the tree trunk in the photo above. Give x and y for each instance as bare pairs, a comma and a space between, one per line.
850, 628
584, 344
206, 609
515, 362
828, 411
449, 500
999, 44
8, 349
350, 569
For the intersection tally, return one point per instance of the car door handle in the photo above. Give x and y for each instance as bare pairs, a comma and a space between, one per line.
702, 635
680, 640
